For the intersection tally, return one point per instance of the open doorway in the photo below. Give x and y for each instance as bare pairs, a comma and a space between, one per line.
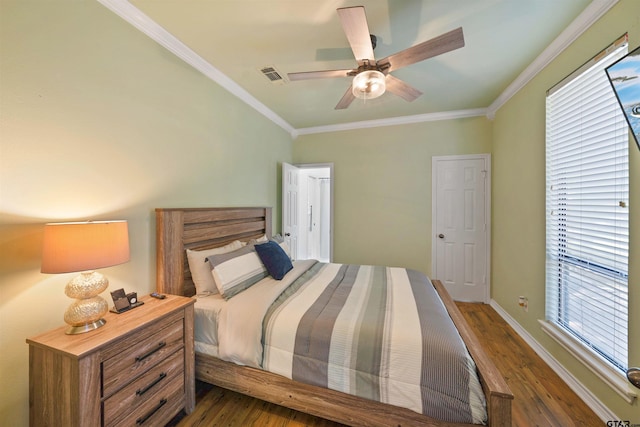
307, 211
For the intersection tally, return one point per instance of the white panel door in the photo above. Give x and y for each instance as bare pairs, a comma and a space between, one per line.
290, 206
461, 225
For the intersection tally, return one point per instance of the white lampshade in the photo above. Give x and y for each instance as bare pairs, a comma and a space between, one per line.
85, 246
368, 84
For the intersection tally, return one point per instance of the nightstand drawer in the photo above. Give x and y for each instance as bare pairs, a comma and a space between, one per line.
122, 368
157, 411
148, 387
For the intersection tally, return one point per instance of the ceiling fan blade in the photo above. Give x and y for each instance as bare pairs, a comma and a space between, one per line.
436, 46
354, 24
346, 100
402, 89
308, 75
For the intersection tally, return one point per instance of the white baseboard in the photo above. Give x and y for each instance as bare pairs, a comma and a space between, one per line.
584, 393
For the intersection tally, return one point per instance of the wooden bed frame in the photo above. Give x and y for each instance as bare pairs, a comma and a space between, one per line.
201, 228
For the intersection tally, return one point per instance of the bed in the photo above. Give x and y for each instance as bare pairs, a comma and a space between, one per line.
203, 228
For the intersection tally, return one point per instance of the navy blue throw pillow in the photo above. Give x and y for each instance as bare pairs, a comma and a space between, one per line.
274, 258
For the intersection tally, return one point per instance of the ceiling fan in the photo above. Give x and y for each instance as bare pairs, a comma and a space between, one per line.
371, 79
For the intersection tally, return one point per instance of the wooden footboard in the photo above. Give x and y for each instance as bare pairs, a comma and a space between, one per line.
325, 403
496, 390
177, 229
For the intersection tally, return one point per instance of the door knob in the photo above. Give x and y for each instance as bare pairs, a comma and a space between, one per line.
441, 236
287, 234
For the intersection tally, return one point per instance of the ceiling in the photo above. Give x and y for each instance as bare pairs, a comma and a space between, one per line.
231, 40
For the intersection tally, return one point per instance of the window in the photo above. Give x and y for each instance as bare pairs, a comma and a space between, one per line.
587, 210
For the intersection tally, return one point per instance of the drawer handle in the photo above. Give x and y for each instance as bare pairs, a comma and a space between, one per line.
142, 391
142, 420
144, 356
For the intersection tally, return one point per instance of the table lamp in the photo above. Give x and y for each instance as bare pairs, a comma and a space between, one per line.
83, 247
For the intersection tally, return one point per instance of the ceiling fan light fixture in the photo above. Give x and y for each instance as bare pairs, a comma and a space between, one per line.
368, 84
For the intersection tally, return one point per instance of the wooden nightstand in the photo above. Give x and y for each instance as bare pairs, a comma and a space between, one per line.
138, 369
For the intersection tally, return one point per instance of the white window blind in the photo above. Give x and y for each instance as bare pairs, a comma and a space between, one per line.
587, 210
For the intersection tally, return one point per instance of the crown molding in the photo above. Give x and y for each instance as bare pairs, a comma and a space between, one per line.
588, 17
394, 121
142, 22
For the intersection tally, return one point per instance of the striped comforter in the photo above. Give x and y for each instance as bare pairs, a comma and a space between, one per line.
380, 333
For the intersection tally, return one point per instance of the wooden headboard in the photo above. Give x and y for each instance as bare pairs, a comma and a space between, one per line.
178, 229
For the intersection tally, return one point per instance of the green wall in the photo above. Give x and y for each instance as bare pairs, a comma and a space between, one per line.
100, 122
518, 254
382, 185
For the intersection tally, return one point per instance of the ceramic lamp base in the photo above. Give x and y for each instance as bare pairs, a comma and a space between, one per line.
85, 313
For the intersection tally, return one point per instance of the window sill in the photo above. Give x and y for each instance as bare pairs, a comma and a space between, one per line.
611, 376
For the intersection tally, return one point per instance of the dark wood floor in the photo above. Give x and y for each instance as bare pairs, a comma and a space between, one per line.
541, 398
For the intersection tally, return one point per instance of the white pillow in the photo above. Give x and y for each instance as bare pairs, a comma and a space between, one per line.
277, 238
236, 271
201, 271
285, 248
261, 239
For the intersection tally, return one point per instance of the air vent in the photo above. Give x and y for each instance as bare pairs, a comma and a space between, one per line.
272, 74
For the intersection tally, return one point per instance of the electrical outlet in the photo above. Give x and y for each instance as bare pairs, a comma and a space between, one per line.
524, 303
